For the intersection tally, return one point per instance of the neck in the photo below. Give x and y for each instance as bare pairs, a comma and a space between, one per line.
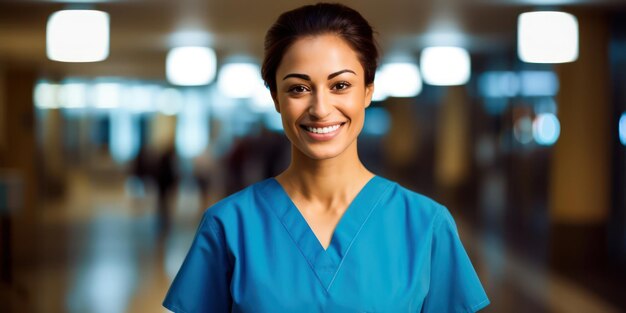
331, 183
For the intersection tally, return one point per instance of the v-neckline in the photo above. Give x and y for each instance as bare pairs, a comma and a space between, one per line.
347, 209
325, 262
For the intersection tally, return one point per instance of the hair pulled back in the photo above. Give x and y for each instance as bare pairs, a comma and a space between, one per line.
319, 19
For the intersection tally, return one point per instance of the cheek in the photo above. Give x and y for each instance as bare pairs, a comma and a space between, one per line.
357, 108
289, 118
359, 120
286, 113
292, 109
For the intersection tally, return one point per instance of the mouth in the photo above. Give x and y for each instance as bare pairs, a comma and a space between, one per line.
322, 130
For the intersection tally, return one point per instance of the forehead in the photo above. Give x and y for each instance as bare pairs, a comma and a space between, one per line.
322, 54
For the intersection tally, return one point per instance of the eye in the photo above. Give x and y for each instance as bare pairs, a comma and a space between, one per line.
298, 89
341, 86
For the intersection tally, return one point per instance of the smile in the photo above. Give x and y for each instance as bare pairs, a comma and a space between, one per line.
322, 133
322, 130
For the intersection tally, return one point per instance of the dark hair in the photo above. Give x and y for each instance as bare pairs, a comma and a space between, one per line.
318, 19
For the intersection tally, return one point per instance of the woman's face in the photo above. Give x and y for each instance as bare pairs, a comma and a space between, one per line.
321, 96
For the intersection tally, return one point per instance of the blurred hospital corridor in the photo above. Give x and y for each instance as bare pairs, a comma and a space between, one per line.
109, 159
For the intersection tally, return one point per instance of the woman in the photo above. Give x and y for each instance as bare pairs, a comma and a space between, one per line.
326, 235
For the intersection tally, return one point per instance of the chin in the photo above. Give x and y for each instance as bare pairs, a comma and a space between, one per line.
320, 157
322, 154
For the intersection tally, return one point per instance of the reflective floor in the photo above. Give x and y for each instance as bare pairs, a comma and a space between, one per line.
99, 251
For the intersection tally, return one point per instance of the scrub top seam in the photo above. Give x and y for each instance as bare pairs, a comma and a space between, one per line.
479, 306
221, 241
311, 267
177, 309
374, 207
439, 219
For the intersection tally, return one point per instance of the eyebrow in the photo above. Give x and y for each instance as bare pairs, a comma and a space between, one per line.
307, 77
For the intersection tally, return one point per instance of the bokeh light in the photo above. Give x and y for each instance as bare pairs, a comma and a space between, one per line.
499, 84
73, 95
192, 127
546, 129
191, 66
445, 66
547, 37
401, 79
78, 36
106, 95
538, 83
239, 80
377, 121
523, 130
169, 101
45, 95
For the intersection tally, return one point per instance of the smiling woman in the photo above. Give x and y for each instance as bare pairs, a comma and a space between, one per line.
326, 235
322, 97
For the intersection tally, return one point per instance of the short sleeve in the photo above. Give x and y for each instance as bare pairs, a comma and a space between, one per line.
454, 284
203, 281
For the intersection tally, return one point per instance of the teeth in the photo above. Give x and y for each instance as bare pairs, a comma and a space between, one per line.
323, 130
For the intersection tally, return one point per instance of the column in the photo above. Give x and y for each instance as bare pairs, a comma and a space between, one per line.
581, 165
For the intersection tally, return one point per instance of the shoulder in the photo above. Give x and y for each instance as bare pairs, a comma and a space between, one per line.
235, 205
414, 203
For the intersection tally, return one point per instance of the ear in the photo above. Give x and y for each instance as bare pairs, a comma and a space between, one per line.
276, 106
369, 92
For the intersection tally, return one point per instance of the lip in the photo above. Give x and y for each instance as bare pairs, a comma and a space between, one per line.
322, 137
321, 125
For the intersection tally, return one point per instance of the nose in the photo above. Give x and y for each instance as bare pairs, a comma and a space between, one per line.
320, 106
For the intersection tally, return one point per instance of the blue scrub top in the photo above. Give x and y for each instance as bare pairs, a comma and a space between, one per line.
392, 251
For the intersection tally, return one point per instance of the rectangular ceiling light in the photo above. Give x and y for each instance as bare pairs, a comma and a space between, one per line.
191, 66
399, 79
239, 80
445, 66
547, 37
78, 36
